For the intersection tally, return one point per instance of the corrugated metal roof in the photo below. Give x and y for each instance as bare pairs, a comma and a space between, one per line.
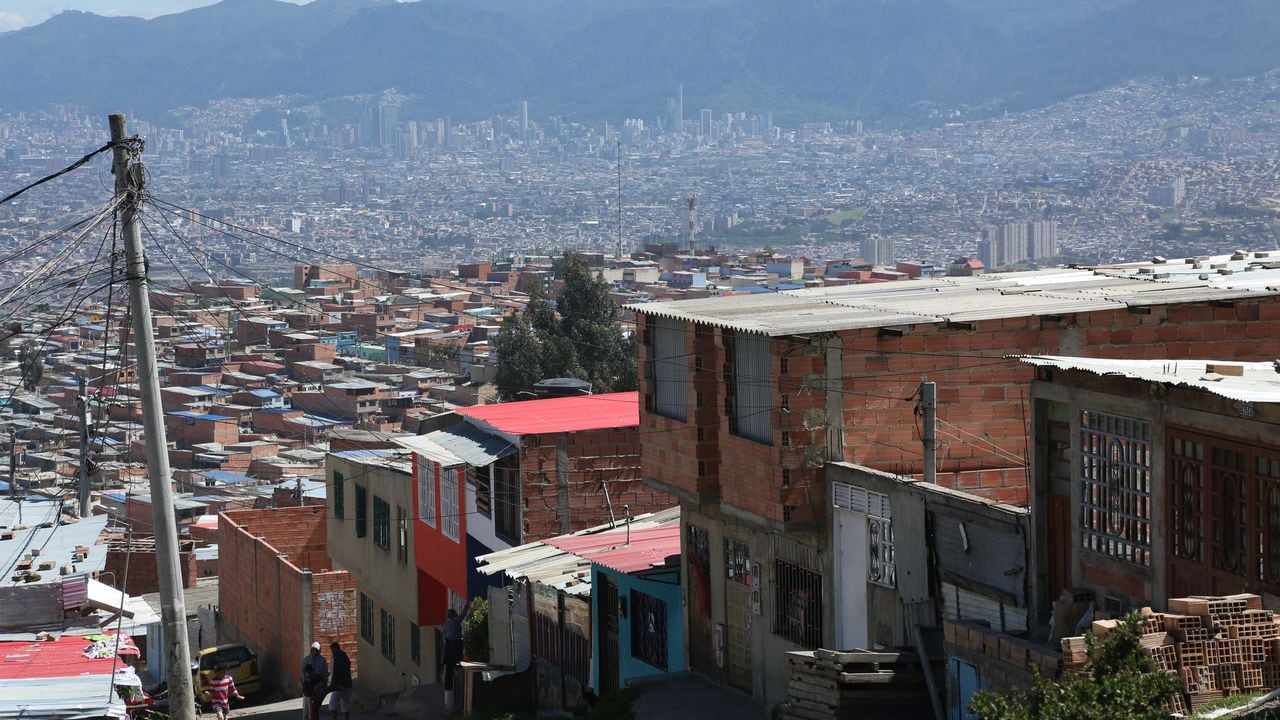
430, 449
1260, 382
968, 299
472, 445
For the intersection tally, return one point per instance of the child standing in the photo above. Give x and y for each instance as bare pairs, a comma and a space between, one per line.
221, 689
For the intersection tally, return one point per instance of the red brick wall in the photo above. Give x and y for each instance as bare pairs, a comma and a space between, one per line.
596, 458
136, 570
261, 594
981, 399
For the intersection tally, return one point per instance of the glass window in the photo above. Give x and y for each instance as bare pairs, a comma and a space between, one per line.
366, 618
388, 646
362, 518
381, 523
737, 561
339, 496
450, 510
427, 491
402, 536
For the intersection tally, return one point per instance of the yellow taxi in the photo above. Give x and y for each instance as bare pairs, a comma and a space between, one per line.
241, 665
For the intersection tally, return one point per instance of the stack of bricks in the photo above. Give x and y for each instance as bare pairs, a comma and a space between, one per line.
1216, 645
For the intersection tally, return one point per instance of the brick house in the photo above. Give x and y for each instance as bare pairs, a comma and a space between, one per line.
514, 473
277, 592
746, 398
1155, 479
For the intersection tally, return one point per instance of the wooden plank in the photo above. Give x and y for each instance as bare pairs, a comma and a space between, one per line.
935, 697
808, 714
881, 678
861, 656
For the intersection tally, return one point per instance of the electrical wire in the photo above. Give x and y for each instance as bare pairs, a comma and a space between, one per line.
70, 168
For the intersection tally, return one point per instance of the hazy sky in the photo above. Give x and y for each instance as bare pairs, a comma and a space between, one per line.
20, 13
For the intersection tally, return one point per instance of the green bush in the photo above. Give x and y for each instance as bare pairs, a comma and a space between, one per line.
475, 631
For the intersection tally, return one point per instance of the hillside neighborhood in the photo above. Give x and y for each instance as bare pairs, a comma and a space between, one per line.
759, 512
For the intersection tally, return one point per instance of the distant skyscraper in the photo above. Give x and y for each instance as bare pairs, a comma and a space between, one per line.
704, 126
389, 123
878, 250
1169, 194
1013, 243
679, 128
524, 119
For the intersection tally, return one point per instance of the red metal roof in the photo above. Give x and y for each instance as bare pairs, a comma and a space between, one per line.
59, 658
556, 415
647, 548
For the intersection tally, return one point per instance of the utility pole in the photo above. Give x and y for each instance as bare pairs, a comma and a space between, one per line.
929, 405
13, 462
173, 611
83, 404
619, 152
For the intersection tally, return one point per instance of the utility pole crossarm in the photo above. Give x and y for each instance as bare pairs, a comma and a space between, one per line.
130, 178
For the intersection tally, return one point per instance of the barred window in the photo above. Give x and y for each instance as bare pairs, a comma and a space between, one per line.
649, 629
388, 646
797, 604
737, 561
427, 491
881, 568
366, 618
1115, 475
450, 507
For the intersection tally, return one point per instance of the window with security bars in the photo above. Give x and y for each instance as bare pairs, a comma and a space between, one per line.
450, 507
1224, 510
366, 618
1115, 477
427, 492
881, 568
381, 523
737, 561
649, 629
797, 604
388, 637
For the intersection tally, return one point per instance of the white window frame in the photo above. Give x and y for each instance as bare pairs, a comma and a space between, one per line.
450, 503
427, 491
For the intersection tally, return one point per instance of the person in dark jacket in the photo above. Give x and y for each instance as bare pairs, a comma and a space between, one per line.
340, 683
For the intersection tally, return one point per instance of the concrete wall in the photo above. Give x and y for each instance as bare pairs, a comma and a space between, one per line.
665, 587
379, 574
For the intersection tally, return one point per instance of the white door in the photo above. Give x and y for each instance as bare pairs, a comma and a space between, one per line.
851, 578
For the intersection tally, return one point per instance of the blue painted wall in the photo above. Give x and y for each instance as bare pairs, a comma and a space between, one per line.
664, 586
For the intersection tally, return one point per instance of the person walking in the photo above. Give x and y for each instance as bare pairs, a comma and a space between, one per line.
315, 682
340, 683
221, 689
452, 632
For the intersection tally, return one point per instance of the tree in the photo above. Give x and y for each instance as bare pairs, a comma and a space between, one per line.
578, 337
1119, 681
31, 365
519, 357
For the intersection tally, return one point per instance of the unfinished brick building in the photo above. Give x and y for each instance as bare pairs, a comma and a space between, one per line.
277, 593
746, 398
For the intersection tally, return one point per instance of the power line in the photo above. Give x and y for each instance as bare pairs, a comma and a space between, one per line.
73, 166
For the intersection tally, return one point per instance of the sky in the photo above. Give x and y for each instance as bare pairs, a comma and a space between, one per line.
15, 14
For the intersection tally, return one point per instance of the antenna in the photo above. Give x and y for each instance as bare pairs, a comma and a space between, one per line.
619, 151
693, 224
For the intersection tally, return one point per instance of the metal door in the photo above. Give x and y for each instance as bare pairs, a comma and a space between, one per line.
609, 642
962, 680
851, 571
737, 597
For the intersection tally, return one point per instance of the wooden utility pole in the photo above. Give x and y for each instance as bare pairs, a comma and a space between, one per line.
82, 403
173, 611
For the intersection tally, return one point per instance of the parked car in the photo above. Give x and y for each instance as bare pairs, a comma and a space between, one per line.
241, 665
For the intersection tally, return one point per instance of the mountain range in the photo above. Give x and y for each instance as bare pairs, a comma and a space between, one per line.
591, 59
